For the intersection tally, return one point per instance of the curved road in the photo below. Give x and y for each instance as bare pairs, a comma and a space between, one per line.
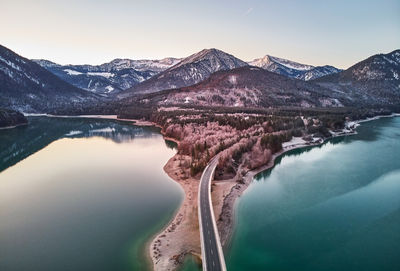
211, 250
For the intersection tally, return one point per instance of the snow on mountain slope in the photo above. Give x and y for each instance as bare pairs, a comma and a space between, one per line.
191, 70
246, 86
119, 74
143, 65
371, 82
292, 69
27, 87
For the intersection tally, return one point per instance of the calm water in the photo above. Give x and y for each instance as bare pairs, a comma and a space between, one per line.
336, 207
78, 194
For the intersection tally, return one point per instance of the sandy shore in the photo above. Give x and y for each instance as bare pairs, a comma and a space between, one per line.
181, 236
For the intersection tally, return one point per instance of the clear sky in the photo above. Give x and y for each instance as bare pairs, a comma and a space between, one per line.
339, 32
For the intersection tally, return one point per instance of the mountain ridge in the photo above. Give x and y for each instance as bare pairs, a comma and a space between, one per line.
291, 68
190, 70
108, 78
246, 86
26, 86
372, 81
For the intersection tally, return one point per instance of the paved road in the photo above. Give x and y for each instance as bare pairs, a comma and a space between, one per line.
211, 250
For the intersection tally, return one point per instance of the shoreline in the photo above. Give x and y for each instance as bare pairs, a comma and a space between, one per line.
167, 248
105, 117
13, 126
181, 236
228, 212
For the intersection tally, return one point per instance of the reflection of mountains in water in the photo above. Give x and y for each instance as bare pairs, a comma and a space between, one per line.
114, 131
20, 142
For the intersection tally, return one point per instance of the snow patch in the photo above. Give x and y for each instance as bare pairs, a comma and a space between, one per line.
11, 64
73, 132
232, 79
103, 130
72, 72
395, 75
109, 89
104, 74
294, 142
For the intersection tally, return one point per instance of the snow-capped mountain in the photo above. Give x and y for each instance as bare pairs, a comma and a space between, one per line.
384, 67
108, 78
318, 72
27, 87
246, 86
292, 69
155, 66
373, 81
189, 71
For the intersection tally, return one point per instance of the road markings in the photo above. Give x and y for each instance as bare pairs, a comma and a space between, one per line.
206, 212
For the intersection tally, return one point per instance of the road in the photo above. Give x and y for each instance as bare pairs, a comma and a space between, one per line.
211, 250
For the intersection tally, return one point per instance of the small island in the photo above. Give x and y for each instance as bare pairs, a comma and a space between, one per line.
11, 118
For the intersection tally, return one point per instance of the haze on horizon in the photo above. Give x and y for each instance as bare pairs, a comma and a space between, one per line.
338, 33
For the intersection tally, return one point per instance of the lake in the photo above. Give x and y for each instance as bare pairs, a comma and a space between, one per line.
333, 207
87, 194
82, 194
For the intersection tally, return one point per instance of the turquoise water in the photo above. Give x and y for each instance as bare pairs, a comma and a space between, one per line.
334, 207
79, 194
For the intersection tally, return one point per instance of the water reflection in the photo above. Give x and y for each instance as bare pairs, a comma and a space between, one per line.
89, 196
18, 143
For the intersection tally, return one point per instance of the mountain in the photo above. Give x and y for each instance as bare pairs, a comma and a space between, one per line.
189, 71
108, 78
292, 69
27, 87
155, 66
374, 81
246, 86
11, 118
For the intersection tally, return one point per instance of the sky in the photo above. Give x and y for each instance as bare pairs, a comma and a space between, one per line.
338, 33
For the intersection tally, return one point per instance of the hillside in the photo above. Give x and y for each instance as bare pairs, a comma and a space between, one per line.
108, 78
374, 81
292, 69
189, 71
247, 87
11, 118
27, 87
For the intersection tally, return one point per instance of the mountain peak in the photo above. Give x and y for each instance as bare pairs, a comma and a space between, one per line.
292, 69
191, 70
268, 61
377, 67
213, 55
28, 87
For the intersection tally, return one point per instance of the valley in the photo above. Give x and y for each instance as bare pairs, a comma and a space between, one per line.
211, 104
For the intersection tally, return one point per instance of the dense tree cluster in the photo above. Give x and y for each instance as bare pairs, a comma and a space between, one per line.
245, 138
